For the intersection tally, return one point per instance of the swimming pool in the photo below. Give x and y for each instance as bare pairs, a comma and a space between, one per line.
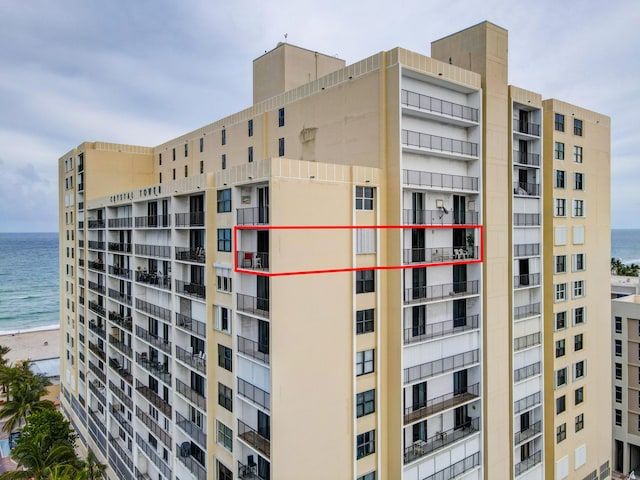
4, 448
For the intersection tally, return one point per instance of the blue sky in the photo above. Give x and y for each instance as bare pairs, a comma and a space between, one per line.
143, 71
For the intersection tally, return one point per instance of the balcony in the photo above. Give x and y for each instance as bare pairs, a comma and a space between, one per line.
526, 280
160, 251
253, 349
120, 296
192, 430
97, 351
441, 403
525, 189
124, 455
97, 372
152, 425
125, 222
253, 438
80, 225
436, 105
80, 187
92, 223
121, 346
194, 290
248, 472
527, 402
196, 469
253, 305
121, 370
196, 255
439, 181
527, 341
191, 325
527, 128
155, 368
252, 216
253, 260
120, 320
96, 287
97, 328
196, 361
457, 469
160, 281
443, 365
80, 205
528, 463
98, 391
190, 219
120, 272
123, 397
526, 219
439, 255
440, 440
121, 420
97, 436
526, 250
95, 245
161, 343
254, 394
526, 311
153, 310
428, 331
440, 292
439, 217
153, 221
98, 265
522, 373
151, 454
119, 247
435, 144
524, 158
190, 394
529, 432
153, 398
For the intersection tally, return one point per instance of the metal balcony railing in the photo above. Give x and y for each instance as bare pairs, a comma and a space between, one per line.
190, 324
98, 392
120, 272
525, 189
526, 219
190, 219
439, 144
121, 346
253, 260
95, 223
162, 343
152, 425
436, 367
120, 296
158, 369
528, 463
526, 127
95, 245
527, 341
120, 320
254, 438
97, 328
99, 266
119, 247
97, 351
439, 217
420, 448
191, 289
96, 287
161, 251
253, 349
524, 158
254, 305
443, 402
457, 469
153, 221
437, 105
195, 467
192, 430
427, 331
186, 254
525, 311
193, 360
526, 434
440, 181
526, 280
151, 454
527, 402
439, 254
124, 455
252, 216
157, 280
254, 394
155, 399
97, 435
526, 249
123, 397
125, 222
123, 371
527, 371
439, 292
153, 310
121, 420
97, 372
190, 394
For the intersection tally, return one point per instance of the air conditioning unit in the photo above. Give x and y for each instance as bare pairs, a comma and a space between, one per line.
185, 449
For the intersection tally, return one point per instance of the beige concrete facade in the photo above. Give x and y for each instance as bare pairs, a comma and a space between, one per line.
188, 361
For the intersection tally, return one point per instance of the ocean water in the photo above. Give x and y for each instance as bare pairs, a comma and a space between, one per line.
625, 245
28, 281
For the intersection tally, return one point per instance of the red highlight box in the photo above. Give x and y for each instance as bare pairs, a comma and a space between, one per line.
238, 269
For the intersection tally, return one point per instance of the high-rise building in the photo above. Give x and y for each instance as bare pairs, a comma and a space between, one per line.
355, 278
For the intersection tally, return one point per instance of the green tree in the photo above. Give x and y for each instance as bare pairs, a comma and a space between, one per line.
52, 425
92, 469
38, 458
24, 398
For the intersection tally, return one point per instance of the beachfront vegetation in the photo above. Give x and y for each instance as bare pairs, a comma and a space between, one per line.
619, 268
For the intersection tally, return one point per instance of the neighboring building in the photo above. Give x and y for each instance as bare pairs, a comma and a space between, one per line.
622, 286
189, 356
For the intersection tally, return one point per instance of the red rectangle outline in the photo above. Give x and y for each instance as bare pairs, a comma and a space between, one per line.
353, 269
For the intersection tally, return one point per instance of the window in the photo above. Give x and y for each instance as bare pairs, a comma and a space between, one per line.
364, 321
174, 154
561, 292
281, 147
577, 127
578, 316
364, 362
224, 200
365, 403
618, 394
366, 444
578, 342
224, 436
223, 277
618, 348
579, 262
559, 122
223, 137
561, 377
223, 319
174, 173
561, 405
224, 161
160, 177
578, 181
365, 241
224, 357
159, 159
560, 348
618, 417
281, 117
580, 424
186, 171
618, 322
560, 178
558, 151
186, 149
224, 239
250, 128
578, 395
225, 397
364, 198
561, 320
580, 369
201, 166
368, 476
561, 207
223, 472
365, 281
578, 289
560, 264
619, 373
578, 208
250, 154
561, 432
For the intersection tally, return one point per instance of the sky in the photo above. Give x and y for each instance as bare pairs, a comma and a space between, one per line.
145, 71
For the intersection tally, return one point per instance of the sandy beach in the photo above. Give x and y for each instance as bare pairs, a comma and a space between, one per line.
34, 345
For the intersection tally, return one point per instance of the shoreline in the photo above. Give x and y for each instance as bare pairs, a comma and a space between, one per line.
44, 328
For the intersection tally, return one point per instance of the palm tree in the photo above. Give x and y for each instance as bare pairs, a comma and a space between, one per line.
92, 469
38, 459
3, 351
25, 401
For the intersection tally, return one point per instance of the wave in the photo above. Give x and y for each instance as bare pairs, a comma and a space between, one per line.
32, 329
